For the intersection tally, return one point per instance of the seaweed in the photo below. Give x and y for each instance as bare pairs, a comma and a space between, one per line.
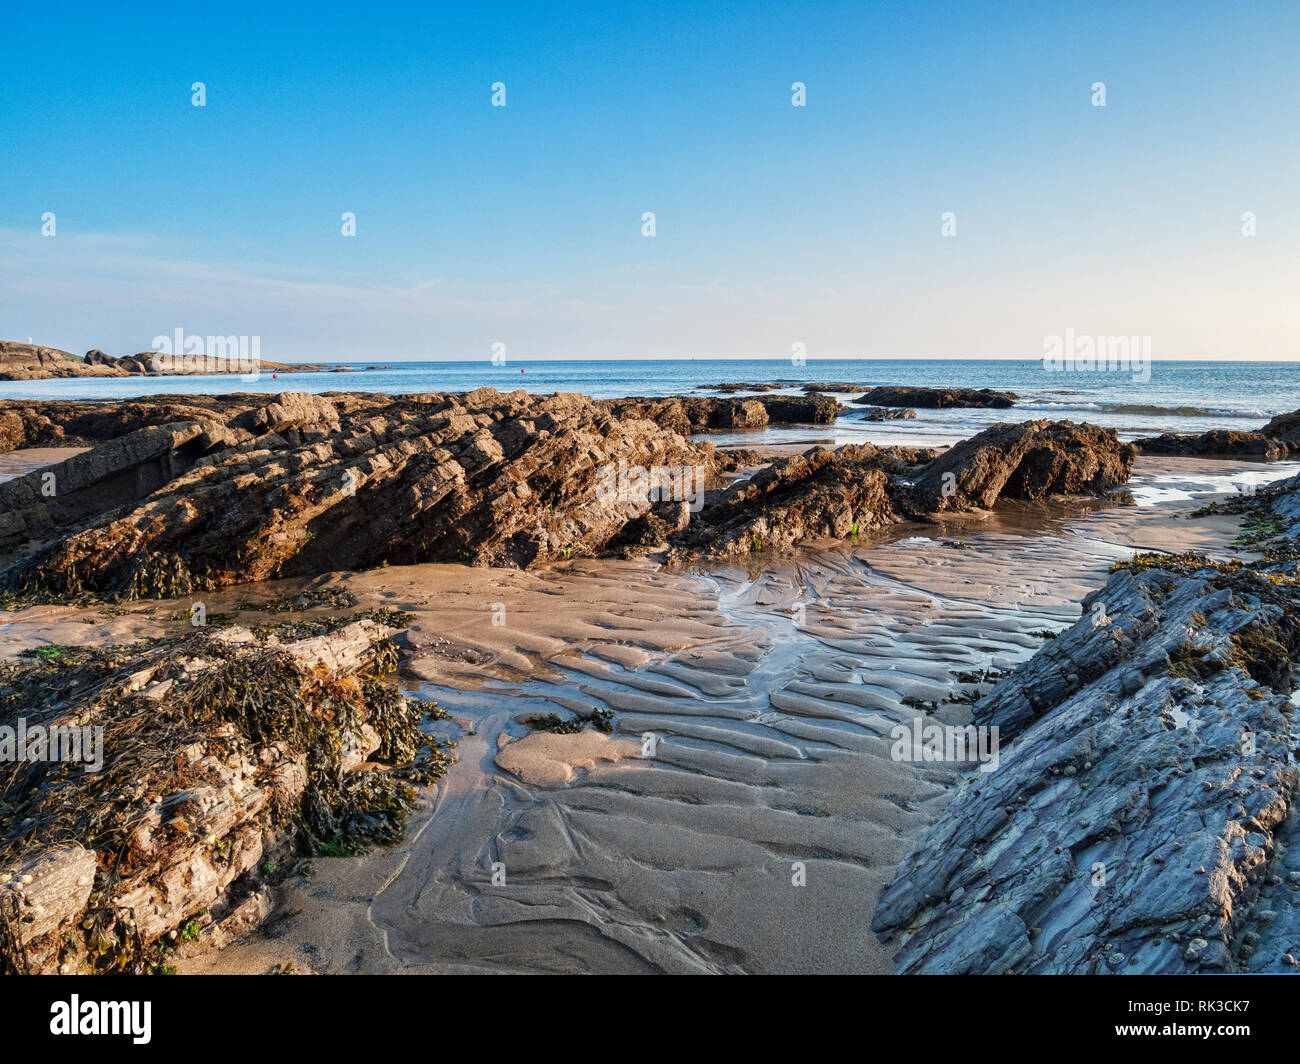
53, 577
230, 702
602, 720
315, 597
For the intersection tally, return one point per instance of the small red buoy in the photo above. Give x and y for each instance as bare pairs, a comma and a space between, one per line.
275, 376
523, 371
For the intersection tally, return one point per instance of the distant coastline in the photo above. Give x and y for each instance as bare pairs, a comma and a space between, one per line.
31, 362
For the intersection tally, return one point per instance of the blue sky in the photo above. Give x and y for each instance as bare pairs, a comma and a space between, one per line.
775, 224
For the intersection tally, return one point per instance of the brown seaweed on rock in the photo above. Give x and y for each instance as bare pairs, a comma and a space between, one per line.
218, 752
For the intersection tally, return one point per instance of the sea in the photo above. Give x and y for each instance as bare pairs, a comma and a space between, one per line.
1175, 396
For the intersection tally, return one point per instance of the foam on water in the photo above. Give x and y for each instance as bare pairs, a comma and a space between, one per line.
1182, 487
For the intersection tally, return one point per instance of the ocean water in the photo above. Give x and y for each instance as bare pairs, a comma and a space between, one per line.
1177, 397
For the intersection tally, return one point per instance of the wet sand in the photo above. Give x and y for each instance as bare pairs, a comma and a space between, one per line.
16, 463
769, 693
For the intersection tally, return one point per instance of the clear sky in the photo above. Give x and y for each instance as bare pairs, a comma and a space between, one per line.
775, 224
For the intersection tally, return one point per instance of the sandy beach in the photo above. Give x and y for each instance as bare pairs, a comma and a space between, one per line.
745, 813
743, 489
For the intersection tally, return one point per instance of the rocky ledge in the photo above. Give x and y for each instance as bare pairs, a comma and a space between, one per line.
310, 484
1141, 817
936, 398
1277, 440
840, 493
691, 414
202, 766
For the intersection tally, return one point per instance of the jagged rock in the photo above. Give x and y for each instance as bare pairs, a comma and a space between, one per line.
1285, 428
745, 414
810, 409
690, 414
1217, 442
71, 423
858, 487
115, 473
307, 485
933, 398
257, 746
1273, 442
822, 492
889, 413
292, 410
310, 484
1028, 460
1143, 803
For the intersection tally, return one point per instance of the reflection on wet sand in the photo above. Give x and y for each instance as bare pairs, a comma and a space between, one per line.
759, 832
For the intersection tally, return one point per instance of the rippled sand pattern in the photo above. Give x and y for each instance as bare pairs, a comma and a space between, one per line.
770, 696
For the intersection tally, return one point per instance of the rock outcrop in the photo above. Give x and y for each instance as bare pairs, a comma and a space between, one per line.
309, 484
73, 423
936, 398
821, 493
838, 493
1285, 428
1025, 460
1217, 443
31, 362
26, 362
691, 414
1273, 442
200, 763
1141, 817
